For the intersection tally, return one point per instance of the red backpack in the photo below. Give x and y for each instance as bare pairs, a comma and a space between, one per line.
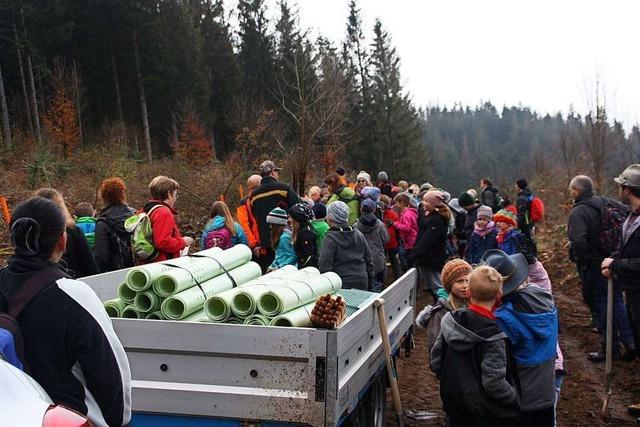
537, 210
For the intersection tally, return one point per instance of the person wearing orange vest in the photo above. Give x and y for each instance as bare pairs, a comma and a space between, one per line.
244, 215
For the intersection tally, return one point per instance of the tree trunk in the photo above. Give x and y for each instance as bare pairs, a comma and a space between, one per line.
34, 100
6, 124
78, 106
116, 83
143, 100
23, 82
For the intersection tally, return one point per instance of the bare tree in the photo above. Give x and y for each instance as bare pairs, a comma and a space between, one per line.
76, 92
32, 85
6, 124
597, 138
569, 152
143, 99
23, 81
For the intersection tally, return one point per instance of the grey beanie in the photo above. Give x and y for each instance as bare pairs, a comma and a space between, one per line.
338, 212
382, 176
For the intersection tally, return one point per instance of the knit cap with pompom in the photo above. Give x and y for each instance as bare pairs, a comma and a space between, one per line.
453, 271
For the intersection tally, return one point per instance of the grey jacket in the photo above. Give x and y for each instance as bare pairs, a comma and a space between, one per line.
345, 251
377, 236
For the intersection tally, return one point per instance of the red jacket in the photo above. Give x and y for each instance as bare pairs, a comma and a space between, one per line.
166, 236
391, 215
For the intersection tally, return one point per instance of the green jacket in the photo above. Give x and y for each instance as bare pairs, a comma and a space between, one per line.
348, 196
320, 228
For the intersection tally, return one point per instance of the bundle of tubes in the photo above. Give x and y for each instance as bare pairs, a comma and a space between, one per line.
221, 287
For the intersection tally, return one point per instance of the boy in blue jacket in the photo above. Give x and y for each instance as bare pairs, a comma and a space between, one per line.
529, 318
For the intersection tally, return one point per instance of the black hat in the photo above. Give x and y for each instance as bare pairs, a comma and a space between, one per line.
522, 183
513, 268
340, 171
301, 212
319, 210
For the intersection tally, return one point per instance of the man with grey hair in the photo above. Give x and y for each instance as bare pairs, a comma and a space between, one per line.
586, 230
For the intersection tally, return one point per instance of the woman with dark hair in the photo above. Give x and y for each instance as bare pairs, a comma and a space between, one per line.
78, 258
113, 243
69, 344
429, 253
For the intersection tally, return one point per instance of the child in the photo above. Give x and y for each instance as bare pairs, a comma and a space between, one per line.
85, 221
455, 280
407, 226
477, 382
390, 217
377, 236
483, 237
319, 224
529, 318
281, 240
221, 231
302, 235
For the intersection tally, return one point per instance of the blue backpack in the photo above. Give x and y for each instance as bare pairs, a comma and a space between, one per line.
11, 342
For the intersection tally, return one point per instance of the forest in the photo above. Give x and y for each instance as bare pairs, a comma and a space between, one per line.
175, 79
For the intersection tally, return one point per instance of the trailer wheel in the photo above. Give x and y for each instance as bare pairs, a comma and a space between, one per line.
371, 410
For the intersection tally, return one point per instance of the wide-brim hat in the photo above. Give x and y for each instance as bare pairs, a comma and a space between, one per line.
513, 268
630, 177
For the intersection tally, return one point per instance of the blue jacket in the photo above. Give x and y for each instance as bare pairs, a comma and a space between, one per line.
478, 245
517, 243
217, 223
285, 253
530, 320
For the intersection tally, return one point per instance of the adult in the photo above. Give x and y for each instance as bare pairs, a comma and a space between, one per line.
523, 205
345, 250
460, 216
529, 318
490, 195
69, 344
470, 205
362, 180
586, 250
342, 172
161, 210
624, 265
244, 215
78, 258
269, 195
113, 243
385, 184
429, 253
340, 192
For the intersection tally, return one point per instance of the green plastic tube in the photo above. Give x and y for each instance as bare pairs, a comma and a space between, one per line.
198, 316
257, 320
130, 312
125, 293
189, 301
299, 318
142, 277
234, 321
154, 315
293, 293
147, 301
114, 307
179, 279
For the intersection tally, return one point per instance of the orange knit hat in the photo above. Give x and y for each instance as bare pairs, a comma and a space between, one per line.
453, 271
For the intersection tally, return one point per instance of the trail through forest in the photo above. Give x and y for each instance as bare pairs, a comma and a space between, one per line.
583, 388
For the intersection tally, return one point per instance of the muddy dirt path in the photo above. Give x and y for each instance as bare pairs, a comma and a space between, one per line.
583, 389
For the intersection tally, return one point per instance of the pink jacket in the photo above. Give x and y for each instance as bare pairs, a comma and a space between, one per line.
407, 227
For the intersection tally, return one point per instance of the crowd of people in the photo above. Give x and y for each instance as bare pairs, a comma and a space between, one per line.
492, 330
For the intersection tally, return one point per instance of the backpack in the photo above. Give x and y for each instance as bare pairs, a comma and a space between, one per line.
536, 210
220, 238
611, 220
139, 225
497, 199
119, 245
11, 341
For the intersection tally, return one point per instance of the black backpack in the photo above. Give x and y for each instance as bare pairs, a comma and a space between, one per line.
119, 245
11, 341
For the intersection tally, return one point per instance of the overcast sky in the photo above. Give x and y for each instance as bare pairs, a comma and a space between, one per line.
543, 53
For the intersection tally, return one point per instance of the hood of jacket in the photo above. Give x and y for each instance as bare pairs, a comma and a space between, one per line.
345, 193
459, 338
526, 193
422, 319
117, 214
216, 223
345, 237
531, 309
85, 220
367, 223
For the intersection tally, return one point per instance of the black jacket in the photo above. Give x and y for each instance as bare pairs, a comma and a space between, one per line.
470, 221
626, 264
109, 224
585, 230
265, 198
430, 249
477, 374
523, 204
78, 259
70, 346
306, 247
490, 196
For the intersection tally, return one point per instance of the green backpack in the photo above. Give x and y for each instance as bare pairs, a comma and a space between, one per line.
139, 225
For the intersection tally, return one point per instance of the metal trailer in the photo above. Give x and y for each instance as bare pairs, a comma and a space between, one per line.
206, 374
